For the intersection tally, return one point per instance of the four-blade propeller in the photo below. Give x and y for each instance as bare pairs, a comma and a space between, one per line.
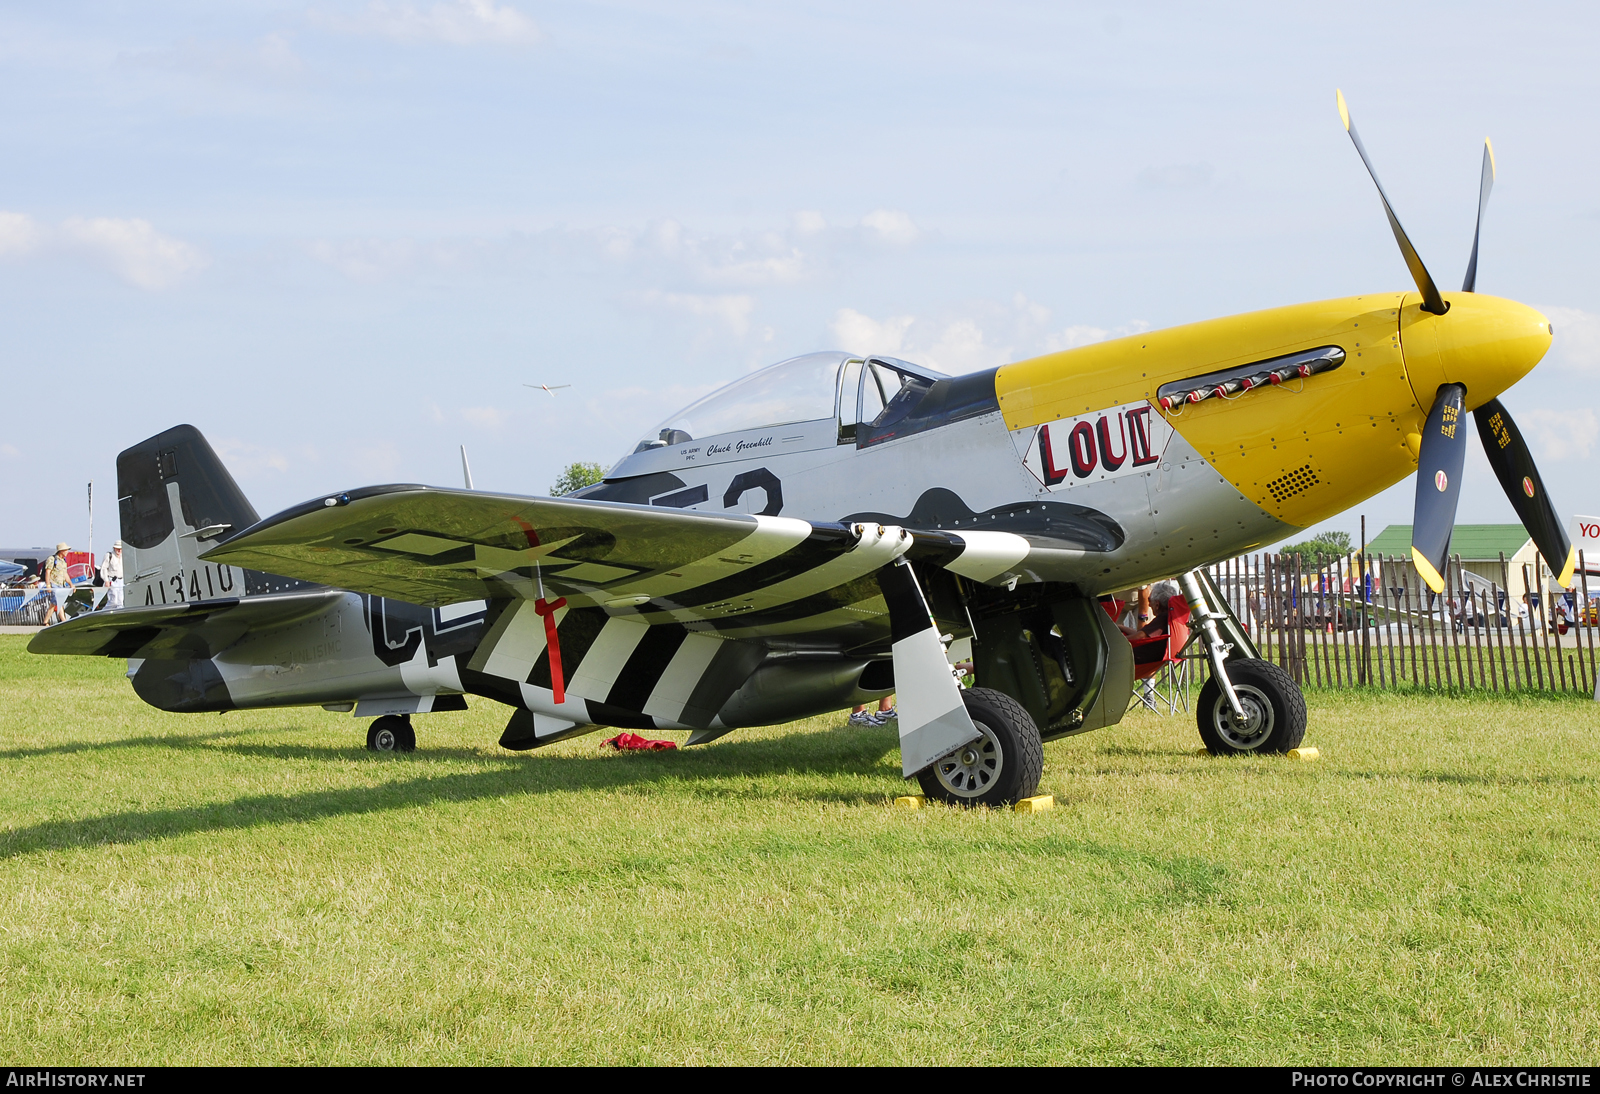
1443, 447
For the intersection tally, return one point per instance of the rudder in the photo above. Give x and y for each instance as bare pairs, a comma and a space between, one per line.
176, 498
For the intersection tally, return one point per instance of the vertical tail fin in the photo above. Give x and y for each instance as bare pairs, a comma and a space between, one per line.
176, 498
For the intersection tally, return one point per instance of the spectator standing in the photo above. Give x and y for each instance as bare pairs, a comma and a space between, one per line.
111, 571
886, 713
55, 577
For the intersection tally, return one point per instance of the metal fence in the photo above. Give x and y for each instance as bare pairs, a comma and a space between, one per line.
1354, 620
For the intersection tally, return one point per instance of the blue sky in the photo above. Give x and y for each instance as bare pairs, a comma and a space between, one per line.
340, 237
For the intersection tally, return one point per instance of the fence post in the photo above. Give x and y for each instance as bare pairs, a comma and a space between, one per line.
1341, 621
1330, 606
1486, 637
1438, 599
1464, 614
1515, 631
1392, 627
1454, 605
1530, 650
1366, 609
1507, 635
1269, 602
1319, 648
1475, 650
1411, 629
1302, 674
1590, 682
1553, 626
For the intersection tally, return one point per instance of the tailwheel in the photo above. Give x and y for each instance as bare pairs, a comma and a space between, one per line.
1274, 711
391, 733
1001, 766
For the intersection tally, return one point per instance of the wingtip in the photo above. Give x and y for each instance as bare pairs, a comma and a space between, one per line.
1344, 110
1489, 151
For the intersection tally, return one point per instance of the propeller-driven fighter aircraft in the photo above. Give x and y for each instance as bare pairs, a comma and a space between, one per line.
810, 536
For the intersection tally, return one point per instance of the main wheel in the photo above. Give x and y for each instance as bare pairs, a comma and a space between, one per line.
999, 767
1274, 711
391, 733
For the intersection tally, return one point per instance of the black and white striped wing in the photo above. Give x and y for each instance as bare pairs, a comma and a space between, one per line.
433, 546
658, 599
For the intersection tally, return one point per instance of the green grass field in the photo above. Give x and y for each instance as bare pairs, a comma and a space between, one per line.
258, 888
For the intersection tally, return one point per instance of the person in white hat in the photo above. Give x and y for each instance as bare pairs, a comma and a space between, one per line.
111, 571
56, 577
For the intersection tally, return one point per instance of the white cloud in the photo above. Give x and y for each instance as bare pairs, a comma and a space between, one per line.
891, 226
1082, 335
19, 235
242, 457
10, 451
269, 60
857, 333
989, 334
961, 347
956, 347
456, 22
133, 249
1576, 344
662, 252
762, 258
365, 260
808, 222
733, 311
1560, 435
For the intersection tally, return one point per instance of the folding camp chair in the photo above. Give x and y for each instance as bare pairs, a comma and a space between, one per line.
1161, 672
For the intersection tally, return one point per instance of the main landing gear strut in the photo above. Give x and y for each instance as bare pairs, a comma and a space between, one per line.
1248, 704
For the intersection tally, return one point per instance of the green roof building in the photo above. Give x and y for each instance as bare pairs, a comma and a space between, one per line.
1480, 547
1473, 542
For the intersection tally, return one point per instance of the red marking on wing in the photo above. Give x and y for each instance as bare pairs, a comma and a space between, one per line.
528, 532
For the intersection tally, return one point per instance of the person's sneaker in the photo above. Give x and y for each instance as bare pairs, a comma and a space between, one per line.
890, 715
862, 718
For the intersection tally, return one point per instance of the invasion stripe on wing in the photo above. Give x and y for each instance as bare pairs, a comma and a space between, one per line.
771, 537
867, 556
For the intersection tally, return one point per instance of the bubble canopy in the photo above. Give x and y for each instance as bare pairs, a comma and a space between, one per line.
801, 389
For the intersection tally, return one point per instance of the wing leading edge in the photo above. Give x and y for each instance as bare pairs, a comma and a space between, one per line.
736, 574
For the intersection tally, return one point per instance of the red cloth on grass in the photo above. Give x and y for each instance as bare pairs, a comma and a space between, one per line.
632, 742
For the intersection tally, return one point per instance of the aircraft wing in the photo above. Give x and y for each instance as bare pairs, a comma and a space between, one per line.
200, 629
730, 572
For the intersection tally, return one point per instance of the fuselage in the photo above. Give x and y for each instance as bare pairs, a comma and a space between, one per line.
1188, 481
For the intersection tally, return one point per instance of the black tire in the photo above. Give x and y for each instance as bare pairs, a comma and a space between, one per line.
1274, 705
391, 733
999, 768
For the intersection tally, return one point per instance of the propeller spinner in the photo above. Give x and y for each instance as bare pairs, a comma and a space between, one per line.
1491, 341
